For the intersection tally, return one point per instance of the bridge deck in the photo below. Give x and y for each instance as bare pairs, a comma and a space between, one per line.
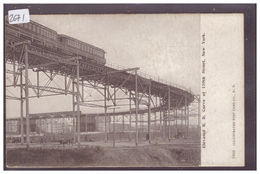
59, 62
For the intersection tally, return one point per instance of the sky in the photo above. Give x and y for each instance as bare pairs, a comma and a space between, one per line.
162, 45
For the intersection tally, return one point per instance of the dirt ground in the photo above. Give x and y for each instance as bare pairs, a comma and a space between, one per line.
178, 153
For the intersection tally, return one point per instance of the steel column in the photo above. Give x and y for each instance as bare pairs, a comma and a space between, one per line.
73, 107
130, 117
27, 96
21, 104
14, 74
160, 102
38, 84
136, 109
149, 114
78, 107
181, 119
188, 121
105, 104
82, 93
164, 124
114, 120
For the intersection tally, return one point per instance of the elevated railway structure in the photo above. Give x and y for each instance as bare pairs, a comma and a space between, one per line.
24, 57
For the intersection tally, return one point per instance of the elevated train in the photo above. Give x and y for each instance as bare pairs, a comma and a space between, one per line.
50, 39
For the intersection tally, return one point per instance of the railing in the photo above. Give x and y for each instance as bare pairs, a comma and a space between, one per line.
144, 75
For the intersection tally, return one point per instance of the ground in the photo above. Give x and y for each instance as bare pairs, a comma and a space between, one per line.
175, 153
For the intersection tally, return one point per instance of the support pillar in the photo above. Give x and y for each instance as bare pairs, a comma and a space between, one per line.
114, 119
188, 121
73, 107
164, 124
27, 96
105, 103
130, 116
109, 123
181, 119
149, 114
38, 83
78, 107
136, 109
21, 104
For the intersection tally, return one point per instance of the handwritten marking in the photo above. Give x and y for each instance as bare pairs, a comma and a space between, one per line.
18, 16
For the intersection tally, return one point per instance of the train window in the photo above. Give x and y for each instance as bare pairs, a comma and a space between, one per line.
34, 28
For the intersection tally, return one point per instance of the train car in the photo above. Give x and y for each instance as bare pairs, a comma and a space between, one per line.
34, 32
44, 36
87, 52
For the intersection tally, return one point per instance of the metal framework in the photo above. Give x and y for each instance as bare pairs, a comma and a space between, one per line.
148, 101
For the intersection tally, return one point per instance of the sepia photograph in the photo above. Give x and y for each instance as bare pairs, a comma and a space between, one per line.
123, 90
